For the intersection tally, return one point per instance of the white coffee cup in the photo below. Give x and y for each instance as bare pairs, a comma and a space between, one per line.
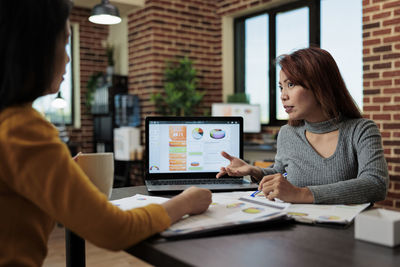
99, 167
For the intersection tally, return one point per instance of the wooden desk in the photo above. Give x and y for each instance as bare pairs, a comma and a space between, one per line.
289, 244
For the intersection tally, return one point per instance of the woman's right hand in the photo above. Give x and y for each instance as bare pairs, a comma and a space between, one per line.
198, 199
193, 200
237, 167
75, 158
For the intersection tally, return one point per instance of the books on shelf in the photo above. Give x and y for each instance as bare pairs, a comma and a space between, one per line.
239, 209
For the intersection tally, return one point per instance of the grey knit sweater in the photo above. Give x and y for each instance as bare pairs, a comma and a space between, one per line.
356, 173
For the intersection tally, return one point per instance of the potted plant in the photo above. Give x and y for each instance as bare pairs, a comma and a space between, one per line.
93, 83
238, 98
180, 97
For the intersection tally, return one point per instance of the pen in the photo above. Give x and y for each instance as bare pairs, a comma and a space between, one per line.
258, 191
255, 193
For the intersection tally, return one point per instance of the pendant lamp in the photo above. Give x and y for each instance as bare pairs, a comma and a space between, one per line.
59, 102
105, 14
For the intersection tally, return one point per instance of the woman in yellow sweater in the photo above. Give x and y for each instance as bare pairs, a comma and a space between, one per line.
39, 182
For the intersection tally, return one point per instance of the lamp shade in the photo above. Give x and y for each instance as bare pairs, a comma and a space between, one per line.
59, 102
105, 14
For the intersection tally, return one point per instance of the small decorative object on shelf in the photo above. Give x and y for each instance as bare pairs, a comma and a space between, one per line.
110, 60
127, 110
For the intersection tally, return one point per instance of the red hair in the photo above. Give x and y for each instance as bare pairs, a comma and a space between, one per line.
315, 69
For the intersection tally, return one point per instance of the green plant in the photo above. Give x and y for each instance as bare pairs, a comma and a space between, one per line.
91, 86
180, 96
238, 98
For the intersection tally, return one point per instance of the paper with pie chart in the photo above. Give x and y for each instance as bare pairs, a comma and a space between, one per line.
338, 214
227, 209
239, 208
317, 213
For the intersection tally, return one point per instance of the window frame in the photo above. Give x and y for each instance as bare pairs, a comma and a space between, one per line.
239, 48
73, 74
75, 80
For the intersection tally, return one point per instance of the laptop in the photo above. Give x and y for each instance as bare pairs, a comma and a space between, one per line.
186, 151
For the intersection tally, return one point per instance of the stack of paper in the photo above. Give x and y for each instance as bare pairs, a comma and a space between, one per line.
338, 214
137, 201
228, 210
317, 213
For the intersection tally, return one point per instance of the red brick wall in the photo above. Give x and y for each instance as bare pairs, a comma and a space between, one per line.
163, 30
92, 60
227, 7
381, 49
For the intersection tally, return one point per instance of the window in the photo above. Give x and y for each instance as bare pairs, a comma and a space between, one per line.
289, 38
44, 103
345, 44
69, 88
261, 37
256, 62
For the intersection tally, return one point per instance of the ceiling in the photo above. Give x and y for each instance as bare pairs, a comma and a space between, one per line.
124, 6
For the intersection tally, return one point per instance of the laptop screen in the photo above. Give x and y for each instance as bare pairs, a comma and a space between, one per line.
191, 144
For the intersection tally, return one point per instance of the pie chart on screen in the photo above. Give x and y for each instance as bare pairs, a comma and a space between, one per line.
197, 133
217, 134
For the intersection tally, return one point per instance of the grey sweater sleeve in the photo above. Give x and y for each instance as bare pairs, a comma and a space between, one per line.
372, 179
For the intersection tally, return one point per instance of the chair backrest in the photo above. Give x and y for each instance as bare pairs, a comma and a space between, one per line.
263, 164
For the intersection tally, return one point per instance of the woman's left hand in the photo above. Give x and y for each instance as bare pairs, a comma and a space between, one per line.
75, 158
277, 186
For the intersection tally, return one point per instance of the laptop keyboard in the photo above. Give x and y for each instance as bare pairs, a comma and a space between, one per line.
195, 181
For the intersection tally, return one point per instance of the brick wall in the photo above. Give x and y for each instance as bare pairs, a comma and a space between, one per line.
381, 50
92, 60
164, 30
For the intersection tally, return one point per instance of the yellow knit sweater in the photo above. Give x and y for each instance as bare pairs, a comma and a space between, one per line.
40, 184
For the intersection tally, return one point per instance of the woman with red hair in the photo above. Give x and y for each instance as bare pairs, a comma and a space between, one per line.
327, 153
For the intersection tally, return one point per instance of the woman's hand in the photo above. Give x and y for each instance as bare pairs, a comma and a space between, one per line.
75, 158
198, 199
277, 186
193, 200
238, 167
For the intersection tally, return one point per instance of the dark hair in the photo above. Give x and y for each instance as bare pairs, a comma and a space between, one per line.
28, 36
315, 69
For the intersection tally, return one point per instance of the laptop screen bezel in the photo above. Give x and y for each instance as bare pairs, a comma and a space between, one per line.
194, 175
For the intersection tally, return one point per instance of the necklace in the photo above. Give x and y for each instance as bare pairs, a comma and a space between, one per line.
322, 127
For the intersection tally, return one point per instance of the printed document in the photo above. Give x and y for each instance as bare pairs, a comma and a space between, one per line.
240, 208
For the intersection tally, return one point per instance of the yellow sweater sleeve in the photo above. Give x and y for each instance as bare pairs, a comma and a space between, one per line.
38, 166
